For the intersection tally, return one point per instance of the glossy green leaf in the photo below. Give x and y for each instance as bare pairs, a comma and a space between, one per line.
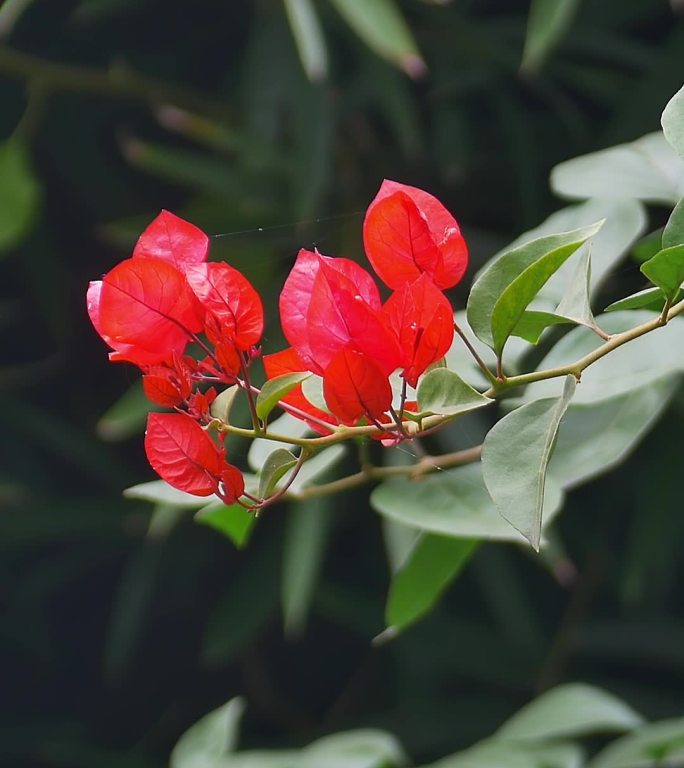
666, 270
647, 169
656, 745
504, 289
19, 193
515, 455
672, 121
595, 438
547, 23
454, 502
514, 299
273, 469
275, 389
434, 562
444, 392
308, 35
160, 492
126, 417
570, 710
207, 743
649, 298
642, 361
673, 234
307, 531
223, 404
382, 27
232, 521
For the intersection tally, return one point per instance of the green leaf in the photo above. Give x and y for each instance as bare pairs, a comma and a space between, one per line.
515, 455
649, 298
502, 754
232, 521
673, 234
547, 23
312, 389
316, 466
666, 270
655, 745
517, 295
642, 361
672, 121
595, 438
444, 392
275, 390
207, 743
275, 466
285, 425
523, 270
19, 193
647, 169
160, 492
382, 27
533, 323
223, 404
309, 38
307, 531
570, 710
453, 502
126, 417
363, 748
575, 304
625, 220
432, 565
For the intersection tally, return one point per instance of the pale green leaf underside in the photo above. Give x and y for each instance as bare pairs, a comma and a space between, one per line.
515, 455
442, 391
672, 121
273, 469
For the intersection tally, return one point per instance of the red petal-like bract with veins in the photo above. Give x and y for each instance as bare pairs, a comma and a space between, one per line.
287, 361
230, 299
408, 232
422, 317
233, 484
172, 239
327, 304
183, 454
146, 305
354, 386
164, 386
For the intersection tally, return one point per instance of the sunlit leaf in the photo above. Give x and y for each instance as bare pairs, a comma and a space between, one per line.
673, 234
434, 562
651, 746
515, 455
493, 753
647, 169
444, 392
207, 743
160, 492
673, 122
570, 710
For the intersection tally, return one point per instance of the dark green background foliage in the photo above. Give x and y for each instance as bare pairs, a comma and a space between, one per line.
115, 636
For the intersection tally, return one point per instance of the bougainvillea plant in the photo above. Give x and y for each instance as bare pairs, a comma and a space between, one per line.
388, 359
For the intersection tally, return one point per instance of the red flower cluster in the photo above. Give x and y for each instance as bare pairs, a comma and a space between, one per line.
150, 307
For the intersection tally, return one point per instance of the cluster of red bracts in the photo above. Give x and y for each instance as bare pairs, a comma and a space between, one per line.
150, 307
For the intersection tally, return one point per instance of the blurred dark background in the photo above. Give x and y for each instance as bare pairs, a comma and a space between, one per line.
114, 636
